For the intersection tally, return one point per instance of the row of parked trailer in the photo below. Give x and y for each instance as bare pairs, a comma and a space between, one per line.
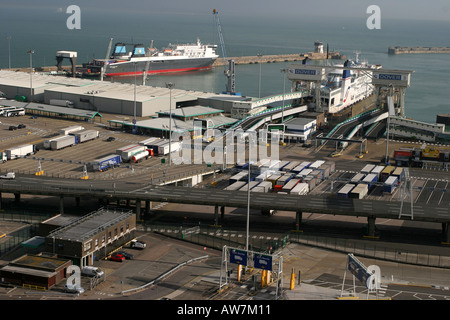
286, 177
388, 177
135, 153
69, 137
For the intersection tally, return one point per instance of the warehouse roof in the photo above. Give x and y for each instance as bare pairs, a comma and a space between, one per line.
177, 124
193, 111
89, 225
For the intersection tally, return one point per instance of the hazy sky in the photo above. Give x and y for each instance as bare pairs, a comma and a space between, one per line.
390, 9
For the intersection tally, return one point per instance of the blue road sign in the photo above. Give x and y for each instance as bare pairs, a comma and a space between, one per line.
238, 257
263, 262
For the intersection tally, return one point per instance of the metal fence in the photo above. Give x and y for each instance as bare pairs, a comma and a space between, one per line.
373, 250
215, 237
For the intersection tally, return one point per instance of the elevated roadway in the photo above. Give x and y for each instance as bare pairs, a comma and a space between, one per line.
113, 190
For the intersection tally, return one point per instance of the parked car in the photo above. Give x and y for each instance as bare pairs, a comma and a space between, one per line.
117, 257
21, 126
70, 288
128, 256
12, 128
137, 244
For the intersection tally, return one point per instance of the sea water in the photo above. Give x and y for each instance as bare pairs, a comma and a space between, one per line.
45, 32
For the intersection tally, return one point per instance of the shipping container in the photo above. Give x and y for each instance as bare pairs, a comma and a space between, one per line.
258, 189
316, 164
63, 142
258, 166
85, 135
326, 170
291, 165
47, 142
240, 176
282, 164
298, 168
317, 175
311, 181
284, 179
345, 190
19, 151
377, 170
266, 185
263, 176
66, 131
235, 186
166, 148
367, 168
386, 173
390, 184
370, 180
106, 162
149, 142
290, 185
303, 173
332, 166
360, 191
301, 188
357, 178
399, 173
274, 178
252, 185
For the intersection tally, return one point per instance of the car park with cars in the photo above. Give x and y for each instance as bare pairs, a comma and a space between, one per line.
117, 257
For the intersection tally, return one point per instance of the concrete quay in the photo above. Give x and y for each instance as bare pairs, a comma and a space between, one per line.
279, 58
406, 50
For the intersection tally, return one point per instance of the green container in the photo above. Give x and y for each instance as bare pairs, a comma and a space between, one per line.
20, 98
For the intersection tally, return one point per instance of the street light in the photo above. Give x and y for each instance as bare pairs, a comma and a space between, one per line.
283, 70
170, 85
134, 119
30, 52
259, 55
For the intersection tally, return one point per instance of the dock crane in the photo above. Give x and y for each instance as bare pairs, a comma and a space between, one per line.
229, 72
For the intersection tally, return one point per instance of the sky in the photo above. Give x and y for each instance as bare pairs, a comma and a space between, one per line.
390, 9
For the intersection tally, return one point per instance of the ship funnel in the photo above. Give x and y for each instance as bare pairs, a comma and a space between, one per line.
139, 50
346, 73
119, 50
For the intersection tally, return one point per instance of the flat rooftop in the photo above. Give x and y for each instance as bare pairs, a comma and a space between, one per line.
90, 224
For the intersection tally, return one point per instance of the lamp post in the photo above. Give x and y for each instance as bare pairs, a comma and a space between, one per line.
170, 85
259, 55
30, 52
134, 114
283, 70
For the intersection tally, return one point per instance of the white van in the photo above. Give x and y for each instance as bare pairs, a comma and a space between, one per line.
92, 272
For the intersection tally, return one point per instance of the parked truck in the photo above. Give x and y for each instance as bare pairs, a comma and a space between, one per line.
62, 142
127, 152
85, 135
68, 130
140, 156
61, 103
48, 141
20, 151
106, 162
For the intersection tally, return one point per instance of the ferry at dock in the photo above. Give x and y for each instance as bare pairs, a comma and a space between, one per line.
342, 88
173, 58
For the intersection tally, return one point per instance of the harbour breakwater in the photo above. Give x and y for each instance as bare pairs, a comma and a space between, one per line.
407, 50
279, 58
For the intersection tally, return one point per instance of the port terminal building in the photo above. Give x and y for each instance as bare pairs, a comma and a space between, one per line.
99, 96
